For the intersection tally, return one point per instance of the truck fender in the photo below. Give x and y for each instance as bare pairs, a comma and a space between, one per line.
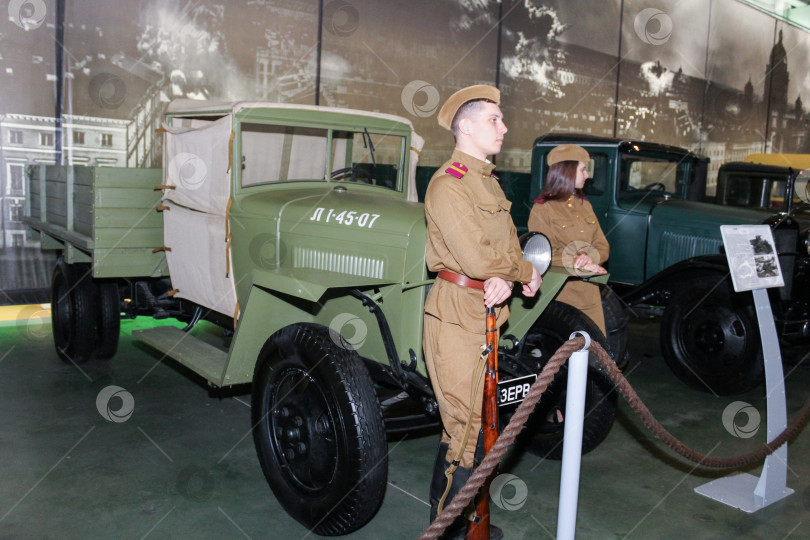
265, 312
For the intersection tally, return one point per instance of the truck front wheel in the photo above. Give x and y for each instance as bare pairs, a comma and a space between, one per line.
318, 430
710, 340
73, 314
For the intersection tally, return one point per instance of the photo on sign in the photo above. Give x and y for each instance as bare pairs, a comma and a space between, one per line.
766, 267
761, 246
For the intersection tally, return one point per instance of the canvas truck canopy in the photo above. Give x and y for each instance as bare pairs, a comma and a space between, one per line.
197, 156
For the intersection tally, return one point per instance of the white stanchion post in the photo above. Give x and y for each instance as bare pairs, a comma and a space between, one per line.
572, 441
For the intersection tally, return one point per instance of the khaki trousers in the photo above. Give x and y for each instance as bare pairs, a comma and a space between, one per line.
450, 355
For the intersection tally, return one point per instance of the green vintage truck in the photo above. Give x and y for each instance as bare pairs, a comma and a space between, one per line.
292, 228
666, 258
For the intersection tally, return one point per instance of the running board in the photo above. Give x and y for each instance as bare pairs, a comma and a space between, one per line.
197, 355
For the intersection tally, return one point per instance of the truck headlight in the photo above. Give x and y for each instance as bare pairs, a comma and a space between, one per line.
537, 250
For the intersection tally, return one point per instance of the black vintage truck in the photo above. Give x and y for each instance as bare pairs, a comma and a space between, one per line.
773, 182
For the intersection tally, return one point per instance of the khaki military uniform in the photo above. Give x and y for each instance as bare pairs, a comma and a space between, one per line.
572, 228
469, 232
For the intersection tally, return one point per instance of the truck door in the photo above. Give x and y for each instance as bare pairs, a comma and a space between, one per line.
619, 224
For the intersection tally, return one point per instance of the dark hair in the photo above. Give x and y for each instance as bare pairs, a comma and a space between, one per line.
560, 181
465, 111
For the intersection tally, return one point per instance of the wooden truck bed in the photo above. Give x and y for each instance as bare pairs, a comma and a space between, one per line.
101, 215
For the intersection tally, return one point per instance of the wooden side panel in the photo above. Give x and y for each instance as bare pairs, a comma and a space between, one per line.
33, 205
126, 225
107, 212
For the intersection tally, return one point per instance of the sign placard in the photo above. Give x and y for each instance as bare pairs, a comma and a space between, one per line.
514, 390
752, 257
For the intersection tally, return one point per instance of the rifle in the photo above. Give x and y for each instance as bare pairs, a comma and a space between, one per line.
479, 527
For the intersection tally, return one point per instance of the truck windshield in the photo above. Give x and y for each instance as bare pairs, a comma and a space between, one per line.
756, 191
747, 190
367, 158
274, 153
647, 176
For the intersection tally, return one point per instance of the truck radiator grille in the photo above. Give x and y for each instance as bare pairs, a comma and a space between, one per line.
338, 262
678, 247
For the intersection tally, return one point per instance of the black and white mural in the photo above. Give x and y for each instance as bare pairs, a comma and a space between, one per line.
734, 118
716, 76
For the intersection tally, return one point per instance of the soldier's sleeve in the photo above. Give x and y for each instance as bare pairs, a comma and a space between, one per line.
540, 220
455, 216
517, 253
600, 242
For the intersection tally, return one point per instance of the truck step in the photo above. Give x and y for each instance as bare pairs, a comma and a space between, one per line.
197, 355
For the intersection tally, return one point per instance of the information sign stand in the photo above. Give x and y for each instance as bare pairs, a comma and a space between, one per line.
754, 266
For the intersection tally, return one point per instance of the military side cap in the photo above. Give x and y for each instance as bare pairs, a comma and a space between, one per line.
567, 152
454, 102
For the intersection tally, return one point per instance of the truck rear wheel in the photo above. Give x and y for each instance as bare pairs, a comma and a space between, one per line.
109, 318
318, 430
543, 434
73, 314
710, 339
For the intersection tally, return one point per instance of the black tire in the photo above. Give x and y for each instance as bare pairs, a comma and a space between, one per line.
616, 319
318, 430
73, 312
109, 318
543, 434
710, 339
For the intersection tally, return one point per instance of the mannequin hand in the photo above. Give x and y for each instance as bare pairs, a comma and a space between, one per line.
583, 263
496, 291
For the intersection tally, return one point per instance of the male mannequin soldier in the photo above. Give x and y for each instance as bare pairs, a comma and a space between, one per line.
473, 245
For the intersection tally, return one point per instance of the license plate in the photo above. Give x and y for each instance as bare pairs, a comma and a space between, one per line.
514, 390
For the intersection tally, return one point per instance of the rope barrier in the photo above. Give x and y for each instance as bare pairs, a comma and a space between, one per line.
525, 409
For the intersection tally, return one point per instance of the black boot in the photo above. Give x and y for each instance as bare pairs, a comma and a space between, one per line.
438, 483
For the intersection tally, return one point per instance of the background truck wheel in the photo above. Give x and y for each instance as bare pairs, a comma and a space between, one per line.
318, 430
616, 319
543, 434
710, 339
109, 318
73, 314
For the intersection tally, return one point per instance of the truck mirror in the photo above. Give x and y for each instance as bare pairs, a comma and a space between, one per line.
537, 250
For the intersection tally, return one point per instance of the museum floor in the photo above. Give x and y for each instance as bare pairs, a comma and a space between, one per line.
184, 466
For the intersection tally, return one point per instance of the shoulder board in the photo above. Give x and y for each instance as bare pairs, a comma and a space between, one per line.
456, 169
542, 199
495, 177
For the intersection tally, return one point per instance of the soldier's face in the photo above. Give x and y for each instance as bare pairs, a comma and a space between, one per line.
582, 175
487, 129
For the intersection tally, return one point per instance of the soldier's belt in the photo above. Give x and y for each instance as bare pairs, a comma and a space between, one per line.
459, 279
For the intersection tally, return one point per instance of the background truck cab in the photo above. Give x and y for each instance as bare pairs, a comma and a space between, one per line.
774, 182
666, 257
